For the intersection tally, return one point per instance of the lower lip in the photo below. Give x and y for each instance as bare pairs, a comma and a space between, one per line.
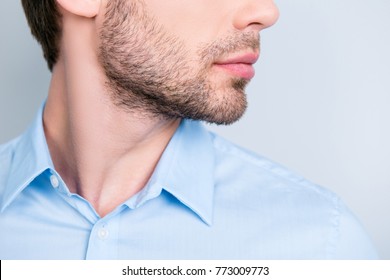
242, 70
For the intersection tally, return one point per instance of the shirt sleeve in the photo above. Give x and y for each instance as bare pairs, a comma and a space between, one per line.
351, 241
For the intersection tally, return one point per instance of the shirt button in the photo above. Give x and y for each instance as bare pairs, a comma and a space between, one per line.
54, 181
103, 233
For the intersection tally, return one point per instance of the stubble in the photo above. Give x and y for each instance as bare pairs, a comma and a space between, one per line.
150, 71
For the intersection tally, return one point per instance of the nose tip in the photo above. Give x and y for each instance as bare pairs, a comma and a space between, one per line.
270, 15
257, 15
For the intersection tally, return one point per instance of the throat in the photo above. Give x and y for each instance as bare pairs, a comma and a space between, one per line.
106, 192
106, 166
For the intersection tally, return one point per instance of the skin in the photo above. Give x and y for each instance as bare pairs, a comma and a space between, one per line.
104, 138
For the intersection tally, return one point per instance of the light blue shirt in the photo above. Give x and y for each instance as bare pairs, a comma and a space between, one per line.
207, 199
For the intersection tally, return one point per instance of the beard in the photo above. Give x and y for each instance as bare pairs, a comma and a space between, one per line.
152, 72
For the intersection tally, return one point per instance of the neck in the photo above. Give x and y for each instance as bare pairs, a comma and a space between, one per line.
102, 152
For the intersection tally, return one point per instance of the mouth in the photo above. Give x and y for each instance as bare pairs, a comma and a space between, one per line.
240, 66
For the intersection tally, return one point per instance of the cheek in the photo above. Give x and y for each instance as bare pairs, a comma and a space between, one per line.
193, 21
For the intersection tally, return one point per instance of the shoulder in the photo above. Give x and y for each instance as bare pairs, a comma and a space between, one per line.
297, 210
7, 151
264, 174
8, 148
251, 181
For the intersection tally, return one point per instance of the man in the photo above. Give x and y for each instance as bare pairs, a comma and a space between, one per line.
116, 164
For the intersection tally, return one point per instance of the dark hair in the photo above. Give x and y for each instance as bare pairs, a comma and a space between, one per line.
44, 21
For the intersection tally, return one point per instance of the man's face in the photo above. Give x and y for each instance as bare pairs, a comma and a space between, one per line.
183, 59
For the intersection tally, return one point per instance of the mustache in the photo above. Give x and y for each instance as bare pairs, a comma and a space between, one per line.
232, 43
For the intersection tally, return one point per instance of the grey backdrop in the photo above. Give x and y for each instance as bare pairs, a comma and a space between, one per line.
319, 103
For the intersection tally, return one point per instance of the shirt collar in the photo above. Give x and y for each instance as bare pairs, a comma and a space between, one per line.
30, 159
185, 169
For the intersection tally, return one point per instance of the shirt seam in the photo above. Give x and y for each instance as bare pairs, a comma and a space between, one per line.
335, 233
276, 170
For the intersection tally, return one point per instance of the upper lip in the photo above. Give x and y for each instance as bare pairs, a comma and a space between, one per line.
248, 58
